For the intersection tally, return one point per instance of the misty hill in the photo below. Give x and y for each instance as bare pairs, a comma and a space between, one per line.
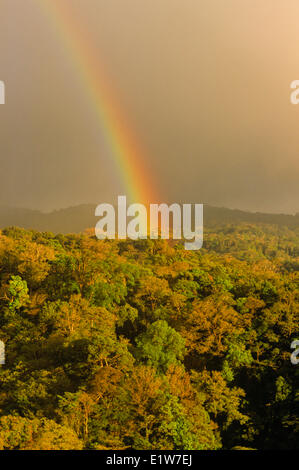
77, 219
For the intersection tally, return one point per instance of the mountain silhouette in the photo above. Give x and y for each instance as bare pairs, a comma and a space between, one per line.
78, 218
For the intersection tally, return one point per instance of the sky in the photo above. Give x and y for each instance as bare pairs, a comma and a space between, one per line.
204, 85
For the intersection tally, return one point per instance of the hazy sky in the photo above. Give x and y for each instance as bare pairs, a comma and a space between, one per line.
205, 84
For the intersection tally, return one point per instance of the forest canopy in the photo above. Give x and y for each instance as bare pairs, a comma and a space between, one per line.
144, 345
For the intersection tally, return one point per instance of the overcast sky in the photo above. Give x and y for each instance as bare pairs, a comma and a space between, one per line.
205, 84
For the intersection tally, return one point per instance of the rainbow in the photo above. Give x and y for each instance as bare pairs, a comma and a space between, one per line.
130, 160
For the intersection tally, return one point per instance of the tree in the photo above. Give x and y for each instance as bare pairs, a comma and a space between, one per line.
160, 346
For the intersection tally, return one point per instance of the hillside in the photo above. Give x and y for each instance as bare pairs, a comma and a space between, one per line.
77, 219
144, 345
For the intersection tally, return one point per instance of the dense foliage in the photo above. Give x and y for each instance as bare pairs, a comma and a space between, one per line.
144, 345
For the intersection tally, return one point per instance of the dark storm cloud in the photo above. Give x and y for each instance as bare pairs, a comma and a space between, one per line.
205, 83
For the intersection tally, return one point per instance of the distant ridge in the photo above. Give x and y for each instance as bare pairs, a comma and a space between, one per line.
78, 218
